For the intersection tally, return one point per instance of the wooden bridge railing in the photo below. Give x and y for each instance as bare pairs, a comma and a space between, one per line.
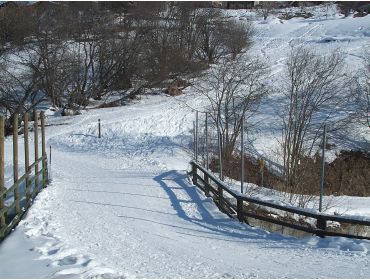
232, 202
16, 200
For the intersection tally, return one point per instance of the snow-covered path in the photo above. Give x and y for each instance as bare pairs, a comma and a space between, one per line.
122, 206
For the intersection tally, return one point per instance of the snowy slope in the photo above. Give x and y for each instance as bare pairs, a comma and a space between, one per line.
274, 40
122, 206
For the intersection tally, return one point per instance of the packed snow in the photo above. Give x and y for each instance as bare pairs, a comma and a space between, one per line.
122, 206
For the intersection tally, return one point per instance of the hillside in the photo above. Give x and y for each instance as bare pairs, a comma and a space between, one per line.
122, 206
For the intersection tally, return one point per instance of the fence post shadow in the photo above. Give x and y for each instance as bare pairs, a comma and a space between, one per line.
208, 221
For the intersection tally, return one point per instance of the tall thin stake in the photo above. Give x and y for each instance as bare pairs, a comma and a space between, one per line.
36, 142
43, 151
322, 179
219, 137
196, 136
15, 164
2, 170
49, 163
27, 158
207, 152
242, 155
99, 129
194, 145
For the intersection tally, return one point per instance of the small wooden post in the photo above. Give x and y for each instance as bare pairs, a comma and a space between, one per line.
15, 164
221, 198
36, 141
321, 225
43, 151
239, 208
194, 171
27, 158
206, 184
2, 170
99, 129
261, 164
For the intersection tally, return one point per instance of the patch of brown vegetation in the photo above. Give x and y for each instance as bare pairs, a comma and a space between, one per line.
348, 174
176, 87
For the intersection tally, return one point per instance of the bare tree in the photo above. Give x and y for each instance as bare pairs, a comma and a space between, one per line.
209, 29
19, 89
237, 36
234, 89
265, 8
363, 85
314, 91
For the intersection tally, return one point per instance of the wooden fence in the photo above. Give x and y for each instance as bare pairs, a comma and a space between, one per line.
239, 205
16, 200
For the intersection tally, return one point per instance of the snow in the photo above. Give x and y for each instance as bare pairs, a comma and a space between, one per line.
122, 206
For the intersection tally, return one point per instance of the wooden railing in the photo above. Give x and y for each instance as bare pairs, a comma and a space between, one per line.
16, 200
236, 204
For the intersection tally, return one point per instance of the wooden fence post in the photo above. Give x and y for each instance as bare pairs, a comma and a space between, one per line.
43, 151
239, 208
220, 198
36, 143
2, 170
26, 158
206, 184
15, 164
321, 225
194, 171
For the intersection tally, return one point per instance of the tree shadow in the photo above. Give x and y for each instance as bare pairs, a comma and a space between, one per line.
213, 224
86, 135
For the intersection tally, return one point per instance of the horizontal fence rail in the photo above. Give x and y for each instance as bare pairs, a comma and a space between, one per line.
16, 200
234, 203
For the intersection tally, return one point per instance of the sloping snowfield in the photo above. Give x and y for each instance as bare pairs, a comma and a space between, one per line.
122, 205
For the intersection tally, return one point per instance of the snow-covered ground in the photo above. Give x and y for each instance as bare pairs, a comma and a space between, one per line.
122, 205
274, 40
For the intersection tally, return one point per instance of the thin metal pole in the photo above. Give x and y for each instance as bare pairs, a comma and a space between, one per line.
219, 146
207, 156
99, 129
194, 140
242, 156
49, 162
196, 136
322, 169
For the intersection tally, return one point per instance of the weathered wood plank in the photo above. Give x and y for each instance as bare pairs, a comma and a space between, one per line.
15, 164
26, 158
43, 151
36, 144
241, 214
2, 170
